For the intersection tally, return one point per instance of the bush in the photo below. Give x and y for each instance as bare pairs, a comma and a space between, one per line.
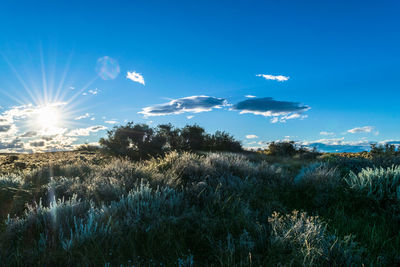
136, 141
222, 141
139, 141
379, 184
290, 149
87, 147
318, 182
183, 209
306, 242
318, 175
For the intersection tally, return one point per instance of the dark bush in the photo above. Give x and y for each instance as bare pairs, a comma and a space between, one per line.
222, 141
87, 147
136, 141
139, 141
290, 149
193, 137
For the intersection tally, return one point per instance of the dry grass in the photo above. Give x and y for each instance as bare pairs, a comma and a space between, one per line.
12, 163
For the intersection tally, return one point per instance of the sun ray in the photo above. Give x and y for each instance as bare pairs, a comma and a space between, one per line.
44, 83
80, 91
18, 76
63, 77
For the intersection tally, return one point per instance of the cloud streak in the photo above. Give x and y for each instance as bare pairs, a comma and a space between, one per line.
326, 133
365, 129
279, 78
86, 131
194, 104
87, 115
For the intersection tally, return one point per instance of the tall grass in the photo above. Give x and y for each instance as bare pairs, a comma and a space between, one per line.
186, 209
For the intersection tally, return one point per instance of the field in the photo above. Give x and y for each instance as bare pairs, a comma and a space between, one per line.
199, 209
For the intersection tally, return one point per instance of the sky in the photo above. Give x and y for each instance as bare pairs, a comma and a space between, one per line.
321, 73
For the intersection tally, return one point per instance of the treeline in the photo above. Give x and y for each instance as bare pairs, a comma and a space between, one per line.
140, 141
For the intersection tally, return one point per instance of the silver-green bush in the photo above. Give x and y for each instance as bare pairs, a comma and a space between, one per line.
377, 183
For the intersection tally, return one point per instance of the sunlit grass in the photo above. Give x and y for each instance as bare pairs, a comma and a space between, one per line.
185, 209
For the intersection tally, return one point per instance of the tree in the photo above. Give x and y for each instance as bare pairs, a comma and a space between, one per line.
193, 137
171, 135
222, 141
139, 141
136, 141
287, 148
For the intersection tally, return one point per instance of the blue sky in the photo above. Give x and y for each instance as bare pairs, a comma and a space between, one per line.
339, 62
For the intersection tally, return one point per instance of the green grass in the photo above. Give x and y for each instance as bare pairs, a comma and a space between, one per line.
186, 209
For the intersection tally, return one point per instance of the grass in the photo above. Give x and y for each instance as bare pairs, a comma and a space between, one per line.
205, 209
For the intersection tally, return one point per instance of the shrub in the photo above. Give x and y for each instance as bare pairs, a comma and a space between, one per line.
87, 147
222, 141
379, 184
305, 240
319, 175
290, 149
182, 208
136, 141
139, 141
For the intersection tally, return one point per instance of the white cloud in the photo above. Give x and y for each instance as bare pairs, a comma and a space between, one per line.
251, 136
274, 120
250, 96
111, 122
326, 133
136, 77
19, 131
94, 92
28, 134
365, 129
288, 117
86, 131
84, 116
189, 117
279, 78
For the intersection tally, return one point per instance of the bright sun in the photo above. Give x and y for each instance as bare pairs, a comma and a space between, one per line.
48, 118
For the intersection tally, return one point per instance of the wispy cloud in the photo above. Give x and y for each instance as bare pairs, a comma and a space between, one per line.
279, 78
5, 128
86, 131
268, 107
40, 143
111, 122
365, 129
250, 96
136, 77
193, 104
11, 145
84, 116
326, 133
29, 134
251, 136
189, 117
94, 92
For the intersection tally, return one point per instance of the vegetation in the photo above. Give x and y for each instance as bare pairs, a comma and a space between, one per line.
187, 208
140, 141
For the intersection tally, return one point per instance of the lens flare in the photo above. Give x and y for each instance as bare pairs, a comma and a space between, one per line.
107, 68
